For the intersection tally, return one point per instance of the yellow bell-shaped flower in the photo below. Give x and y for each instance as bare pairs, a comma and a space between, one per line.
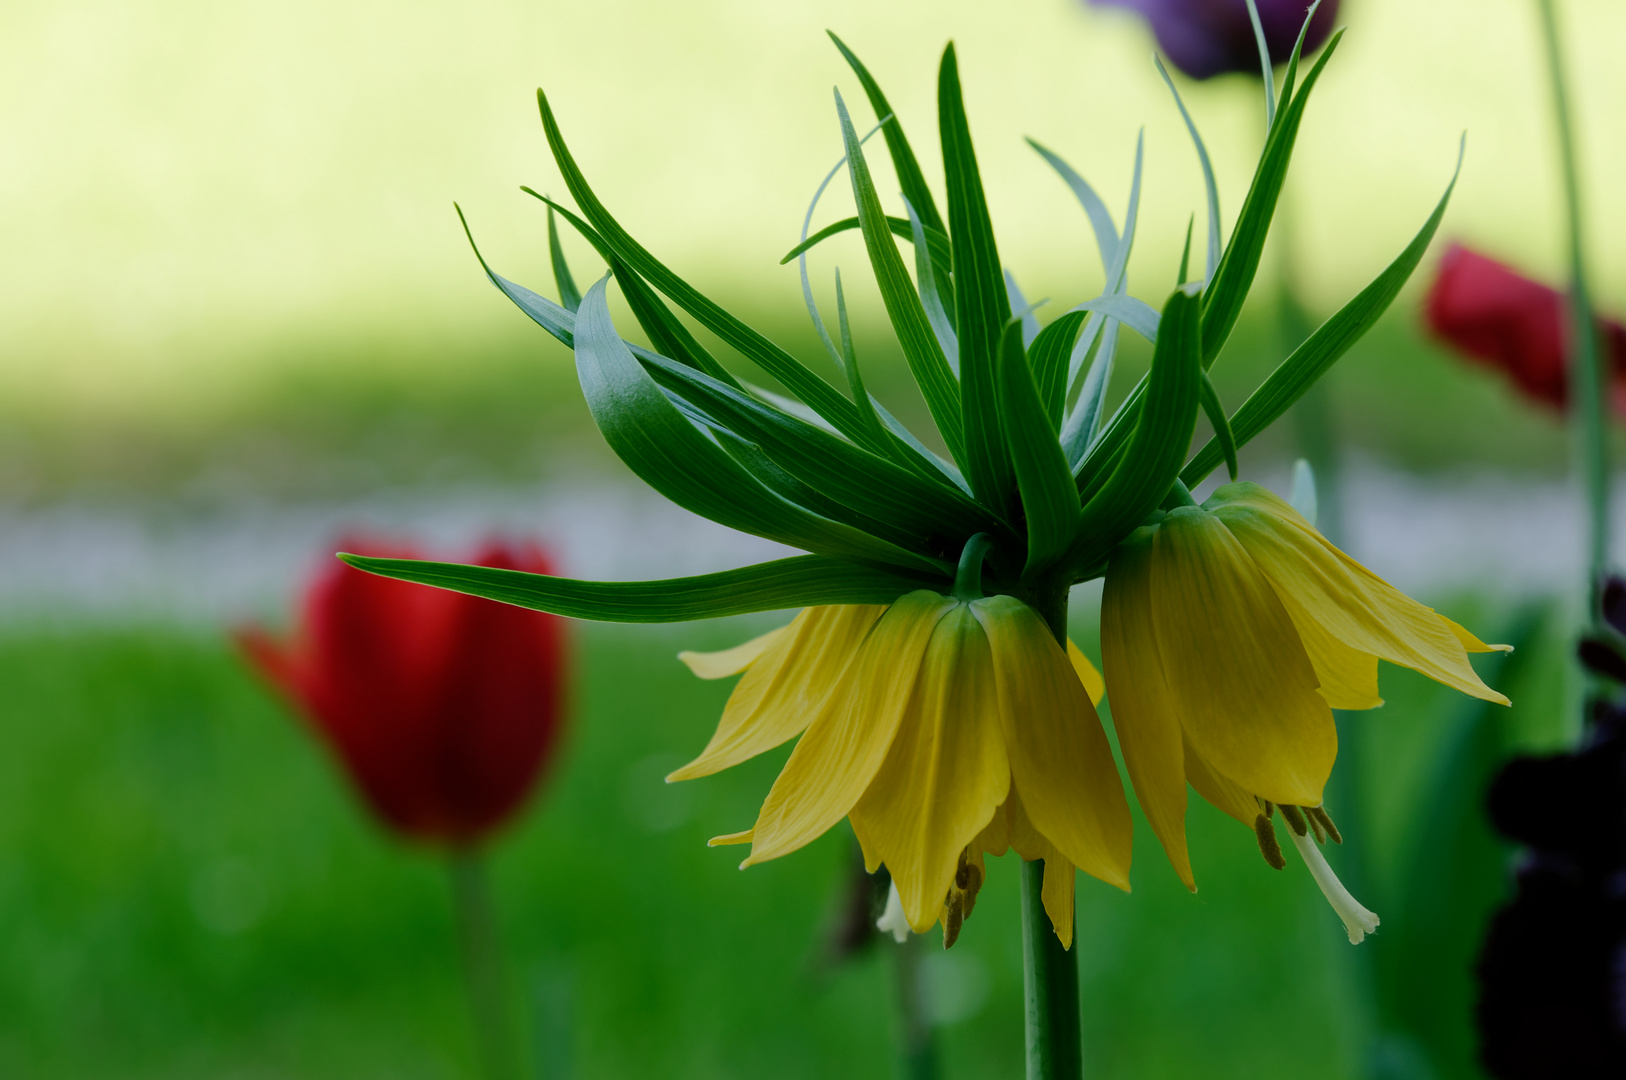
1229, 631
945, 730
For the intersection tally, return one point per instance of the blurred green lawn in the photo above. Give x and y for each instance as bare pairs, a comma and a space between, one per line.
187, 890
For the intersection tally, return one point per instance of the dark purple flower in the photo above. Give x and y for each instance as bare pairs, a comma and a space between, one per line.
1204, 38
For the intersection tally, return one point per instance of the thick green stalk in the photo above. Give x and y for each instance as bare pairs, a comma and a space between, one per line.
482, 963
1586, 375
1049, 972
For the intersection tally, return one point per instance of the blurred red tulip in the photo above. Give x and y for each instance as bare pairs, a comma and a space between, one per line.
1491, 313
442, 707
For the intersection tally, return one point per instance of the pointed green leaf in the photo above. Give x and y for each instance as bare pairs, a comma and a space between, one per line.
1222, 302
928, 510
937, 243
664, 448
1214, 409
1084, 422
1106, 233
903, 158
570, 297
1049, 499
935, 288
1316, 356
1162, 436
796, 377
1210, 188
803, 581
1133, 312
926, 360
1048, 357
1268, 74
981, 304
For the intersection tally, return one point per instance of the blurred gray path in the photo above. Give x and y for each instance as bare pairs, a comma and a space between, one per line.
110, 561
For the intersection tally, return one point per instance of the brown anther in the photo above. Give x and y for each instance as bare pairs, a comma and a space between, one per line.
1315, 825
1295, 820
1266, 805
953, 917
962, 873
1319, 814
1265, 833
972, 886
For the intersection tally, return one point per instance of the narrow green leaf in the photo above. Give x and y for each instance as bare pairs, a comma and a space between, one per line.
1084, 423
1214, 409
1316, 356
929, 510
981, 305
1222, 301
669, 336
801, 256
926, 360
937, 243
935, 289
1161, 438
1268, 74
796, 377
904, 164
849, 361
664, 448
1106, 233
1133, 312
1021, 309
570, 297
1298, 51
1210, 188
802, 581
1048, 357
556, 320
1049, 499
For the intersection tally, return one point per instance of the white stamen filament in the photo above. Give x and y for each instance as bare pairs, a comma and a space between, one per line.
892, 920
1357, 920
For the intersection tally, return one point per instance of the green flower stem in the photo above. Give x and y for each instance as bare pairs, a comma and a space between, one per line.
1049, 972
482, 962
1587, 374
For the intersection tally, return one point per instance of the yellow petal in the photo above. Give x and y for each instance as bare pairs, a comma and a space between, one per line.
1350, 602
845, 744
720, 665
1348, 677
1058, 753
1241, 682
1143, 713
1223, 794
784, 689
731, 838
1468, 640
1094, 684
1059, 874
944, 775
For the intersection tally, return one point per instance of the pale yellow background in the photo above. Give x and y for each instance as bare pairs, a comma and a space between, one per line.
191, 191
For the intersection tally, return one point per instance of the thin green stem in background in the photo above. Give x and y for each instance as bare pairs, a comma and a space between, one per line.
482, 963
1586, 375
1054, 1038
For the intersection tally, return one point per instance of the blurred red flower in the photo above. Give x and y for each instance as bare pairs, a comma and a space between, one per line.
442, 707
1491, 313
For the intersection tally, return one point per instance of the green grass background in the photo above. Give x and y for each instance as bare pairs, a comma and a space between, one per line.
188, 890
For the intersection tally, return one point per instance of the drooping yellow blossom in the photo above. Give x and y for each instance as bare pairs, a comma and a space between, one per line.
1229, 631
944, 730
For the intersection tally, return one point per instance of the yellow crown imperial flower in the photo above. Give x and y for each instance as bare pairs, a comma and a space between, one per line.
944, 728
1229, 631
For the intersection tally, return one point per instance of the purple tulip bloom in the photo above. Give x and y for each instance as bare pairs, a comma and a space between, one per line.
1204, 38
